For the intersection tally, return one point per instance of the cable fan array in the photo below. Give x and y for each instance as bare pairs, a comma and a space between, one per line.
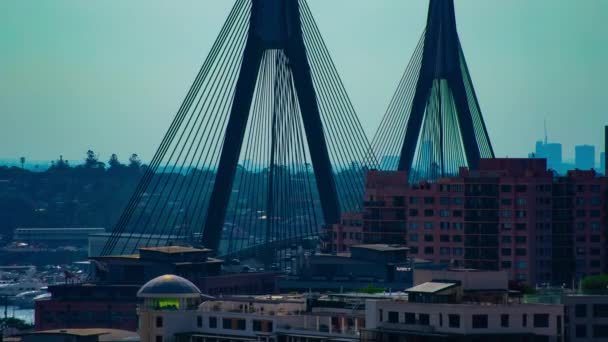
436, 75
274, 194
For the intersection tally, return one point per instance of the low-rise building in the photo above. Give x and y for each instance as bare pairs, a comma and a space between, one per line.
109, 299
587, 317
169, 313
459, 306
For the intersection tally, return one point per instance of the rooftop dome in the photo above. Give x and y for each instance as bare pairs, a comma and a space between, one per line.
169, 285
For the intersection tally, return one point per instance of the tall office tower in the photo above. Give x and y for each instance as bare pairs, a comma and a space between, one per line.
550, 151
584, 156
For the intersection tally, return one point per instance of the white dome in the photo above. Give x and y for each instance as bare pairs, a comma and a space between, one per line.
169, 285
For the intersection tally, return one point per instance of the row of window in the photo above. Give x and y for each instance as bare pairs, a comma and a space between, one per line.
442, 250
431, 212
598, 330
597, 310
479, 321
430, 238
413, 225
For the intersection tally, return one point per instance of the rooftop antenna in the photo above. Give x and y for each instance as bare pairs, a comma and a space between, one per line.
545, 121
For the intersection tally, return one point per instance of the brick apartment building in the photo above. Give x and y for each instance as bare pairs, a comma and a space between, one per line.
511, 214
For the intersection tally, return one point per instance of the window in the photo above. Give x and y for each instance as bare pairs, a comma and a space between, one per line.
444, 200
594, 238
524, 320
414, 200
600, 330
429, 200
199, 321
505, 251
380, 315
159, 321
600, 310
506, 201
520, 239
457, 225
413, 237
581, 331
410, 318
520, 251
213, 322
505, 264
428, 237
520, 265
506, 239
264, 326
457, 200
457, 251
444, 213
424, 319
457, 238
480, 321
504, 320
413, 212
521, 188
428, 225
159, 338
226, 323
429, 212
428, 250
541, 320
454, 321
393, 317
444, 238
444, 250
440, 320
413, 225
505, 188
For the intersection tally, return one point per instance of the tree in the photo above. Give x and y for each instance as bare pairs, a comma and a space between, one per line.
597, 283
114, 162
60, 163
22, 160
134, 161
91, 160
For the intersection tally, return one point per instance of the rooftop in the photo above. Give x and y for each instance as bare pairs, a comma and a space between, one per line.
174, 249
104, 334
382, 247
431, 287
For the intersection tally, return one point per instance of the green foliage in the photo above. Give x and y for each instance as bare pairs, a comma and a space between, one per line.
370, 289
595, 283
17, 323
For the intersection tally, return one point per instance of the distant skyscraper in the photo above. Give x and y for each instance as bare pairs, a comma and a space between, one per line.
584, 156
550, 151
603, 162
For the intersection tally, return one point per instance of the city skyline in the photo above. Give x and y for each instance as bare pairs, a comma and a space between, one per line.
132, 75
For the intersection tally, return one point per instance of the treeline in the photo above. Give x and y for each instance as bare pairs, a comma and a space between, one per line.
88, 193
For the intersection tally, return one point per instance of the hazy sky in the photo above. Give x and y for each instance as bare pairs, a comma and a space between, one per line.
109, 75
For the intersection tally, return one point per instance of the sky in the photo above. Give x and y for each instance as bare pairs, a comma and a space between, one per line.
109, 75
